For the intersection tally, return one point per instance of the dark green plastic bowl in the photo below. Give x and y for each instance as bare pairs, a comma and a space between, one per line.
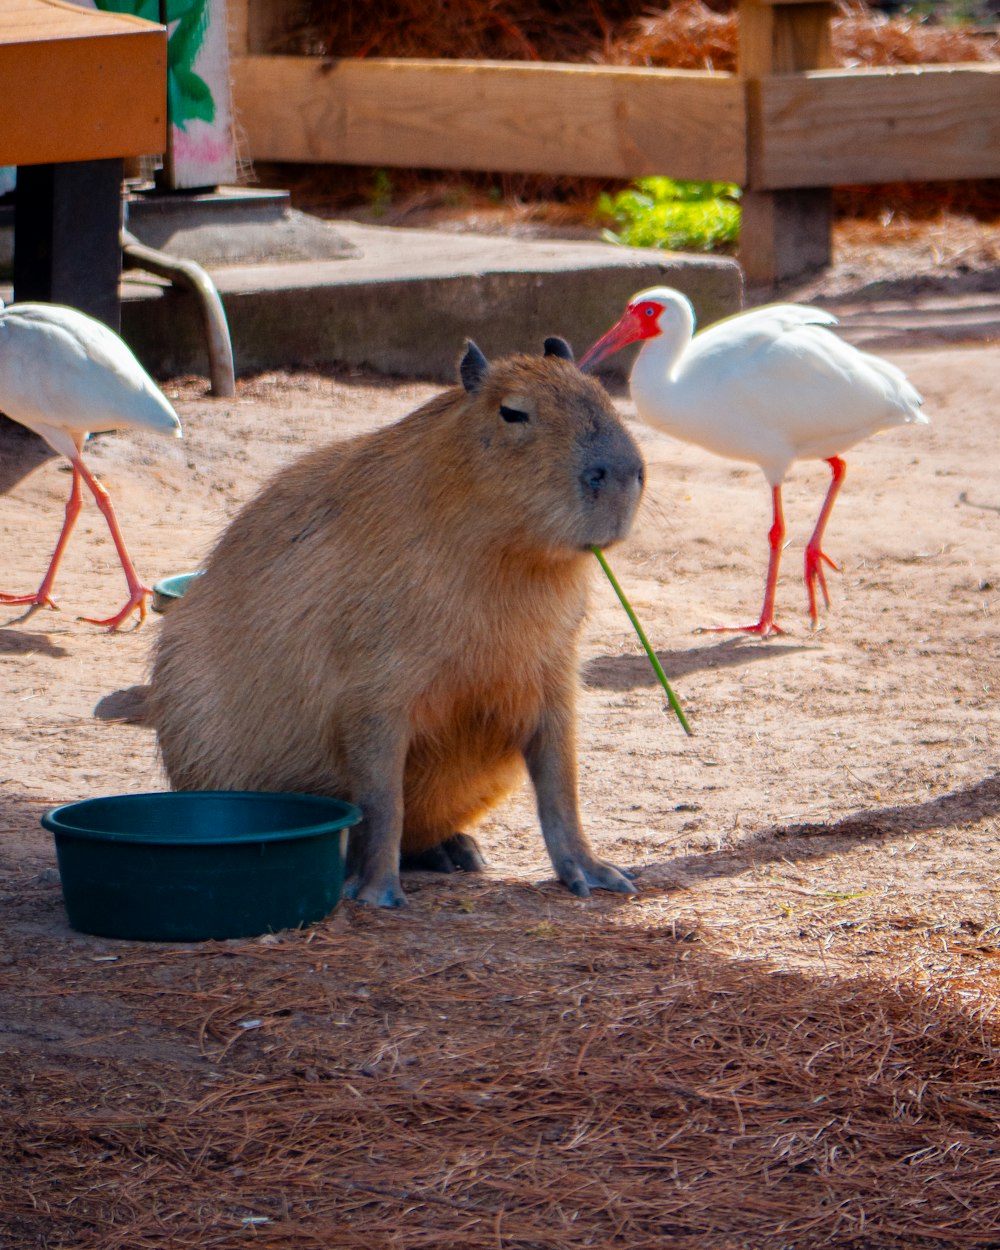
168, 590
186, 866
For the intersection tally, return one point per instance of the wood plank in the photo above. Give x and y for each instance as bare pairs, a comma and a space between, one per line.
836, 127
82, 99
784, 40
256, 27
784, 233
507, 116
78, 84
22, 21
240, 30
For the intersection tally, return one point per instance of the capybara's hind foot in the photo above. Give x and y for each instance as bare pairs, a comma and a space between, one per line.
459, 853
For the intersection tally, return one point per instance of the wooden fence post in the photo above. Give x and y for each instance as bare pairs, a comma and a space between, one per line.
256, 26
784, 233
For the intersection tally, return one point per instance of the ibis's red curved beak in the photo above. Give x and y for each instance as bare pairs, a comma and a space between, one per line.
619, 336
630, 327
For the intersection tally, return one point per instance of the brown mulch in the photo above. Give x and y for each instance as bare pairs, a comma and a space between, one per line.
687, 34
467, 1075
690, 34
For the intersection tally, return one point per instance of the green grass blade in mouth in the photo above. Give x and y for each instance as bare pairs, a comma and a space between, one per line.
657, 666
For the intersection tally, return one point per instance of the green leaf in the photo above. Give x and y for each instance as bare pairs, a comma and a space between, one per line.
670, 213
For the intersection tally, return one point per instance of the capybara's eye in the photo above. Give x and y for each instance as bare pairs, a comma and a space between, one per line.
513, 414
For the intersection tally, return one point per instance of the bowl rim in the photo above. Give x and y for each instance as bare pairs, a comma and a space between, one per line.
174, 585
54, 820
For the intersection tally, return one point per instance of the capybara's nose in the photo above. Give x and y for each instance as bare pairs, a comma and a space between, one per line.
599, 476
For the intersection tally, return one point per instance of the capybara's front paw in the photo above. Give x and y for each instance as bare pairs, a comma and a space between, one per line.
580, 877
385, 893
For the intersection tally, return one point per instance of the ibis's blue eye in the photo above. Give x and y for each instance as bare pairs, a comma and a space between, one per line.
513, 414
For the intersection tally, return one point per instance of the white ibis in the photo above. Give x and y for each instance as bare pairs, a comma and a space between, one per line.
769, 386
65, 375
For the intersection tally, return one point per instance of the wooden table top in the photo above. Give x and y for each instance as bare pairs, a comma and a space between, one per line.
79, 84
24, 20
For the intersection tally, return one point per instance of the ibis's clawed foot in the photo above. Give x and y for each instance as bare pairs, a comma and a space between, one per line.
816, 576
137, 592
766, 625
764, 628
136, 603
816, 557
459, 853
31, 602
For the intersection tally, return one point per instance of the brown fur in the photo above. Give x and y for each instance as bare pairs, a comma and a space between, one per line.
394, 620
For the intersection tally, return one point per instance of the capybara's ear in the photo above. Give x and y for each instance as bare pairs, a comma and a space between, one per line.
555, 346
474, 367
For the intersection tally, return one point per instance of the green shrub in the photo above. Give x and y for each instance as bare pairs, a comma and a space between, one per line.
679, 216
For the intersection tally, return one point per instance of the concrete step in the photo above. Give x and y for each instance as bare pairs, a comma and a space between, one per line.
405, 302
304, 292
924, 321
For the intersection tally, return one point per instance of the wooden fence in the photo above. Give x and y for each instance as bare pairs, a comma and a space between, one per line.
787, 127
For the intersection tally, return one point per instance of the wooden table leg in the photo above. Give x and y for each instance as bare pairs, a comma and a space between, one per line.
67, 236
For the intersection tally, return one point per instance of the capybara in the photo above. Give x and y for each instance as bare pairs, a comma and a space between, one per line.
394, 621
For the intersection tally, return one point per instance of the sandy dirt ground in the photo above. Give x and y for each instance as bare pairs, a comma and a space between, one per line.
834, 819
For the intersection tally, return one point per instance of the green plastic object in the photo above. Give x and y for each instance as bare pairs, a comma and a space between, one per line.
168, 590
188, 866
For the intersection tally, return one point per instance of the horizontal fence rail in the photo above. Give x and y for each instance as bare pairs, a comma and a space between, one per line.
834, 127
510, 117
819, 128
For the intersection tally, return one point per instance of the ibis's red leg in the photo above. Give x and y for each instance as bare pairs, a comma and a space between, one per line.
137, 591
43, 595
775, 537
815, 557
